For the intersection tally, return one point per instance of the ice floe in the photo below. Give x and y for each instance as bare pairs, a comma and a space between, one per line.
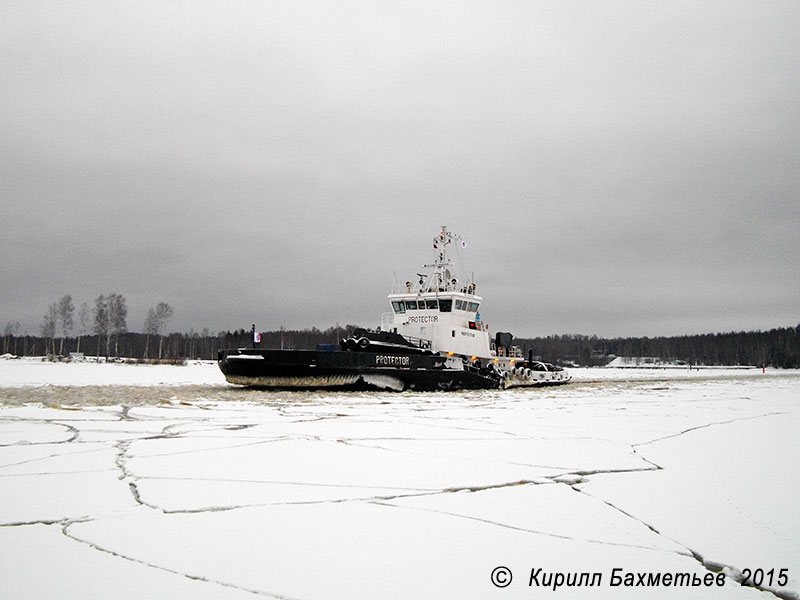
196, 490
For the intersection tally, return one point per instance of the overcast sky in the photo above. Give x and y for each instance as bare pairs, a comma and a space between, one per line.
616, 168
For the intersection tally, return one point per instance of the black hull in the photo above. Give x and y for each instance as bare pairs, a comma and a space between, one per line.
321, 370
314, 369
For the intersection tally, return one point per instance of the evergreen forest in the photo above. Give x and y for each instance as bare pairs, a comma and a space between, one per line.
778, 347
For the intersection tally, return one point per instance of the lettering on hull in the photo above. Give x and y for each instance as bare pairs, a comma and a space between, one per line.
392, 361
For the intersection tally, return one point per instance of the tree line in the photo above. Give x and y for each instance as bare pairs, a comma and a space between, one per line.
96, 328
778, 347
102, 330
171, 347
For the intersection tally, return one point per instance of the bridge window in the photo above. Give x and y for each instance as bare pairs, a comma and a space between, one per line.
399, 306
432, 304
445, 305
411, 305
459, 305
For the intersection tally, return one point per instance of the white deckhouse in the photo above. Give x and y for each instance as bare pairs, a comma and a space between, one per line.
441, 312
438, 310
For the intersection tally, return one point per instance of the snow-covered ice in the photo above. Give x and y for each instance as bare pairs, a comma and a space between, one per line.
39, 372
131, 481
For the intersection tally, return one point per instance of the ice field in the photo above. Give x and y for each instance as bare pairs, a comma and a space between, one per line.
121, 481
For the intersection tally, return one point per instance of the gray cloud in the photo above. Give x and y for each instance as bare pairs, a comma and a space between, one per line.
619, 169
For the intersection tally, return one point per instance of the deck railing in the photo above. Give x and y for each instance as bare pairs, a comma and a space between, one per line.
401, 288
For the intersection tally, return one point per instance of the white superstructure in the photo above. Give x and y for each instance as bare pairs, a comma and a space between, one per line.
439, 309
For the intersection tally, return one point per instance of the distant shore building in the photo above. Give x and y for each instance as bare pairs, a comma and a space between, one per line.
644, 362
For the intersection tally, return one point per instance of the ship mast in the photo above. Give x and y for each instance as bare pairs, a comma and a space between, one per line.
442, 277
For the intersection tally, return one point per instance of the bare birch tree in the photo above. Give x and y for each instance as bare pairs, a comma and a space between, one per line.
118, 313
150, 328
65, 311
49, 328
155, 324
83, 323
102, 321
9, 331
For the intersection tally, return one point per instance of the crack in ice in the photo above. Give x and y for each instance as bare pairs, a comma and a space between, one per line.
707, 425
523, 529
194, 577
730, 571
